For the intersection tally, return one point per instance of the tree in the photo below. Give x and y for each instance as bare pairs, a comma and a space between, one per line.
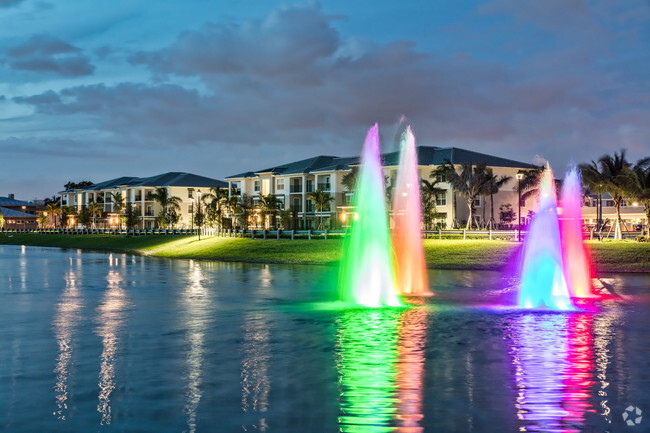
611, 175
286, 218
54, 209
2, 220
349, 180
429, 192
506, 213
637, 182
95, 210
215, 204
470, 182
492, 186
42, 220
66, 211
78, 185
245, 209
322, 200
131, 217
268, 205
118, 204
84, 217
167, 202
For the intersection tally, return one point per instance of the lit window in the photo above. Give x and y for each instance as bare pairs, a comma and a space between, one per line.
280, 184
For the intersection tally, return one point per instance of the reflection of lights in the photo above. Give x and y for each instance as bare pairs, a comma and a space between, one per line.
111, 315
196, 303
255, 382
65, 321
412, 338
366, 356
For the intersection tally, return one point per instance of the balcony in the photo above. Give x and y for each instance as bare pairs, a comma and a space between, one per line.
148, 213
295, 189
324, 186
138, 198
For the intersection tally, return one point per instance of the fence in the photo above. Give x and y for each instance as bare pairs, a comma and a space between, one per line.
296, 234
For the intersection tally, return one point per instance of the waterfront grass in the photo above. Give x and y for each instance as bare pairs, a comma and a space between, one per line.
627, 256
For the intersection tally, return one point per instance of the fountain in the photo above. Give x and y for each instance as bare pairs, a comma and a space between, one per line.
366, 275
410, 268
577, 263
543, 283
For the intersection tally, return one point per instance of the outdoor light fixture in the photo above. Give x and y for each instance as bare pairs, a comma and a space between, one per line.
520, 176
198, 211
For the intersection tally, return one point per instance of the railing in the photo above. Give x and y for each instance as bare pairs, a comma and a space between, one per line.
295, 188
148, 213
138, 198
324, 186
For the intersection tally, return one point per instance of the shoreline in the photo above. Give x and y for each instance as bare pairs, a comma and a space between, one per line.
450, 254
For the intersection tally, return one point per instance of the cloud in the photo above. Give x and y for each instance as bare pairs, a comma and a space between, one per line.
49, 54
9, 3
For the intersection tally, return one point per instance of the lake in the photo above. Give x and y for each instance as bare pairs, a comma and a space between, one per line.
105, 342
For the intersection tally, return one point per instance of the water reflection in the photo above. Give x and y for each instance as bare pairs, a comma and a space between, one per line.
196, 304
111, 316
554, 366
65, 321
255, 382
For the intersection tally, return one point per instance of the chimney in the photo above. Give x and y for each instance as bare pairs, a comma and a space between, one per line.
11, 196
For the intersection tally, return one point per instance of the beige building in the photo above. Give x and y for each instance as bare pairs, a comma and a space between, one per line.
292, 182
139, 192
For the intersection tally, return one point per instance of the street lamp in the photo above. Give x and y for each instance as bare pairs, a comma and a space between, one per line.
192, 219
520, 176
24, 218
198, 211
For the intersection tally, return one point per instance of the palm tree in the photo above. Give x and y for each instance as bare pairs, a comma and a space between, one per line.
232, 204
66, 211
349, 180
611, 175
322, 200
118, 204
429, 192
53, 209
215, 202
492, 186
268, 205
167, 202
42, 220
470, 182
638, 184
95, 209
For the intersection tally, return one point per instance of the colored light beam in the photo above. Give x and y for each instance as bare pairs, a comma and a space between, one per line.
576, 257
366, 275
543, 284
410, 268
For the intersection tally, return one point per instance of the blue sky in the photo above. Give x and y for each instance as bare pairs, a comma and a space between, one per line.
96, 90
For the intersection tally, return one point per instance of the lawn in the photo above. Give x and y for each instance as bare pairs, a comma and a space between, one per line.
608, 256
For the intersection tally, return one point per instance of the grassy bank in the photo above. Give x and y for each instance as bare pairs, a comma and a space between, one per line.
439, 254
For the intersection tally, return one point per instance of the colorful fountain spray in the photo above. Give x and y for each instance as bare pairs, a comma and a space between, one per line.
543, 283
577, 263
366, 275
410, 267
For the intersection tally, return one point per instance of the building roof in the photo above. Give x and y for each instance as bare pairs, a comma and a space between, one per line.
12, 213
171, 178
427, 155
6, 201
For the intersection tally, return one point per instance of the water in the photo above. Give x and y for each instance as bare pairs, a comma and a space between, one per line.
543, 280
93, 342
367, 273
410, 268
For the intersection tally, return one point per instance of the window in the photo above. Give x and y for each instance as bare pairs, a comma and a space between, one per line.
279, 185
280, 201
256, 186
441, 199
190, 192
479, 201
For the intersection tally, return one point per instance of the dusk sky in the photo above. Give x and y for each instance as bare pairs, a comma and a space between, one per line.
97, 90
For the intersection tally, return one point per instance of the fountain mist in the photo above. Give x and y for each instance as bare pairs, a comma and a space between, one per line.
410, 267
366, 275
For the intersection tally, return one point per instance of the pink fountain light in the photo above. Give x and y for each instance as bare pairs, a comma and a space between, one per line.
543, 283
576, 257
410, 268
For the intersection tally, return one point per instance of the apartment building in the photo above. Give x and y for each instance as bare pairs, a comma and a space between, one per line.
17, 214
139, 193
291, 183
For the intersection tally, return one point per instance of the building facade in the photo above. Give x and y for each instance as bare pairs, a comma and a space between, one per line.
139, 194
17, 214
291, 184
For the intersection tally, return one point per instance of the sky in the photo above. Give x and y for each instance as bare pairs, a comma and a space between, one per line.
98, 90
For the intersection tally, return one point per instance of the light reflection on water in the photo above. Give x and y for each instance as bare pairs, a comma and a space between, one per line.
110, 318
65, 323
255, 381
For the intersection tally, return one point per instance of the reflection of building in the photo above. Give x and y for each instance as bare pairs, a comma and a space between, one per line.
138, 192
292, 182
17, 214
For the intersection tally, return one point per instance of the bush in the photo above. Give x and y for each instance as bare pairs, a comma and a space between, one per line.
643, 238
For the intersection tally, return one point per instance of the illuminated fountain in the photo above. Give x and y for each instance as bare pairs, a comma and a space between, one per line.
366, 275
543, 284
410, 269
577, 263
